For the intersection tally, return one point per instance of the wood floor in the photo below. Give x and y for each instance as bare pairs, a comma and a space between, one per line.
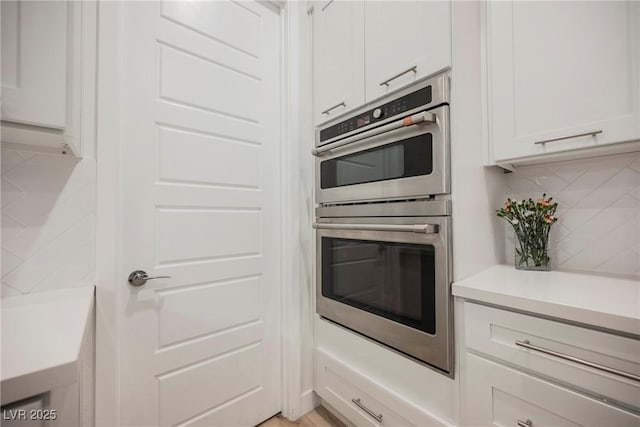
319, 417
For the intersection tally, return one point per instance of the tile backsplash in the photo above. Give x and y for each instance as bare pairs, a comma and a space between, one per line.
48, 217
48, 222
598, 229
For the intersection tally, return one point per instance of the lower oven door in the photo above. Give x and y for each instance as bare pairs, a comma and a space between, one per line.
389, 279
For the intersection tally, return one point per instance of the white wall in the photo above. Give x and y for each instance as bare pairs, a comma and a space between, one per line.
306, 212
598, 229
48, 222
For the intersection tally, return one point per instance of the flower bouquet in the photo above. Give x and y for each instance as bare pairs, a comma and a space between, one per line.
531, 221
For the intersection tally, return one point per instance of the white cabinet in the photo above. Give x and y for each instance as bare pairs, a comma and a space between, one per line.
364, 50
34, 63
338, 58
500, 396
364, 401
404, 41
520, 367
52, 342
26, 413
48, 73
562, 72
406, 393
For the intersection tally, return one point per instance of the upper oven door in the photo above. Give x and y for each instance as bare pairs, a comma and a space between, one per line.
408, 162
388, 279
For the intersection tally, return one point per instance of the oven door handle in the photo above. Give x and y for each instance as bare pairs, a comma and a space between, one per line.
424, 116
415, 228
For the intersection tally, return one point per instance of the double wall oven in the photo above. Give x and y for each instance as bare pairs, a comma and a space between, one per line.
384, 223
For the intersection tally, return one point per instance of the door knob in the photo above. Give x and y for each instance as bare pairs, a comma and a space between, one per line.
140, 277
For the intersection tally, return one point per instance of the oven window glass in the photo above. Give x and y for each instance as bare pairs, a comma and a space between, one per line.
402, 159
393, 280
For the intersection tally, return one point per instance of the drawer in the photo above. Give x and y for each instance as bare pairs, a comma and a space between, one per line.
363, 401
494, 332
497, 395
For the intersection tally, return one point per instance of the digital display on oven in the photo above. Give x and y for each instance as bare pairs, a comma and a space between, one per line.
390, 109
363, 121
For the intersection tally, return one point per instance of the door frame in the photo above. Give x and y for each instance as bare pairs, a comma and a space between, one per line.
109, 275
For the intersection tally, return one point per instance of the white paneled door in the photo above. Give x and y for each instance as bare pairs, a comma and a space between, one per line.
201, 203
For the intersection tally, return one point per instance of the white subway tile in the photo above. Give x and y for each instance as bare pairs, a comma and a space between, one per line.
10, 159
9, 262
599, 211
8, 291
48, 222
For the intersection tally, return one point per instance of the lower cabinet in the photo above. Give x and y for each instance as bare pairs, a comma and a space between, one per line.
55, 408
363, 401
26, 413
527, 371
501, 396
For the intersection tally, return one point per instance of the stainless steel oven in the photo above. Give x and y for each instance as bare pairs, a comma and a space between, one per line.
388, 277
397, 148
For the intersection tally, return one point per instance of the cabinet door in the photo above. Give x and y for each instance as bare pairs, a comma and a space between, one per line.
404, 41
338, 58
495, 395
34, 62
558, 70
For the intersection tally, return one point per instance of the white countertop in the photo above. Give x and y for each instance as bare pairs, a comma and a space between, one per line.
600, 301
41, 340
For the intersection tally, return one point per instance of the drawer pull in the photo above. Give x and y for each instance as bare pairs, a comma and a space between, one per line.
527, 423
527, 344
330, 109
360, 405
560, 138
400, 74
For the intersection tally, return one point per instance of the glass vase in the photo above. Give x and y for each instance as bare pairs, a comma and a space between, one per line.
534, 257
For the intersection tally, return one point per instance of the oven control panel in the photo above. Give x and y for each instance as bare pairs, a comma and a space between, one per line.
384, 111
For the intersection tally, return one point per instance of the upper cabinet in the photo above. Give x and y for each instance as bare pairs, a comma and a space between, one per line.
404, 41
338, 57
34, 63
48, 73
363, 50
561, 77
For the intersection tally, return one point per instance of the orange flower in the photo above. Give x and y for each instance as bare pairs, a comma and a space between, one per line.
507, 204
548, 219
